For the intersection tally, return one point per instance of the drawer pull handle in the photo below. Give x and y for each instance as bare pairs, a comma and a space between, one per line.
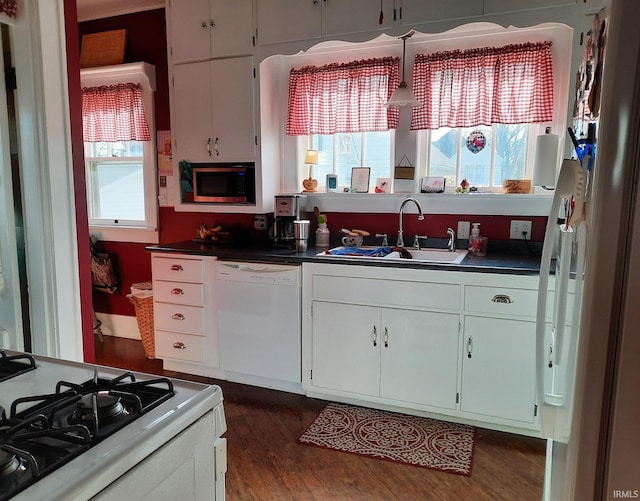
375, 336
176, 267
386, 337
179, 345
501, 298
469, 347
177, 292
178, 316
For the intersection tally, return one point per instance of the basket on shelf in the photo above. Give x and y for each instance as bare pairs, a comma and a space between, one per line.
142, 299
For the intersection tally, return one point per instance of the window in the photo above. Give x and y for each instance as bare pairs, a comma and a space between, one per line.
339, 153
120, 156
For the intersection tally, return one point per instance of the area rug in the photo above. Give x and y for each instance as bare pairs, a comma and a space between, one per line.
413, 440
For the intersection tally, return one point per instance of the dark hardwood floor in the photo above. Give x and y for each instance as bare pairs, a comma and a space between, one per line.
265, 462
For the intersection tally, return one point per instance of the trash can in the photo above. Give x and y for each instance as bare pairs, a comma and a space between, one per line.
142, 299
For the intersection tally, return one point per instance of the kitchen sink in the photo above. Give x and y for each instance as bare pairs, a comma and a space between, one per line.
417, 256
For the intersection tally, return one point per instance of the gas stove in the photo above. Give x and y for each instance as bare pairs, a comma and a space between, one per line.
62, 420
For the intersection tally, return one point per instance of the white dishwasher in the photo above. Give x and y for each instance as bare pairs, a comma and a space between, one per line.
259, 323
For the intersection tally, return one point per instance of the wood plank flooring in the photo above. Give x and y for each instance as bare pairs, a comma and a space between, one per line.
265, 462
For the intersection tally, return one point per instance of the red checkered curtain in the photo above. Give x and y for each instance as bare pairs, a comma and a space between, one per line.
346, 97
9, 7
507, 85
114, 113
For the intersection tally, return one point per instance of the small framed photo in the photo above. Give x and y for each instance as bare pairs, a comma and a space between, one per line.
360, 179
383, 185
332, 183
432, 184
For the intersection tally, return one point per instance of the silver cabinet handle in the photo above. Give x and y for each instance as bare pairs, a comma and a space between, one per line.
177, 316
204, 24
179, 345
176, 267
501, 298
469, 346
215, 146
386, 337
375, 336
209, 146
177, 292
212, 23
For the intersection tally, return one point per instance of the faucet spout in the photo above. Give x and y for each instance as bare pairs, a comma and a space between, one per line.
400, 242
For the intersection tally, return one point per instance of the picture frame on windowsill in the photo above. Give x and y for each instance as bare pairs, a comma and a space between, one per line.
360, 179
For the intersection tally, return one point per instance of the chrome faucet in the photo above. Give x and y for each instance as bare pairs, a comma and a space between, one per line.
452, 240
400, 242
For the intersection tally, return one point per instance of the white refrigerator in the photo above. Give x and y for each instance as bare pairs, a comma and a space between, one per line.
589, 380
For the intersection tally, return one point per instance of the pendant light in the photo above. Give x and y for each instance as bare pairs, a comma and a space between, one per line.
403, 96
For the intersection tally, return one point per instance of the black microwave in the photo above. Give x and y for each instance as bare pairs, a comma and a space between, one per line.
232, 183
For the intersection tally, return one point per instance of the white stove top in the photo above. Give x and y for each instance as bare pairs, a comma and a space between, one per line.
115, 455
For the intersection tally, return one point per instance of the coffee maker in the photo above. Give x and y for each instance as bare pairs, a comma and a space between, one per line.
287, 210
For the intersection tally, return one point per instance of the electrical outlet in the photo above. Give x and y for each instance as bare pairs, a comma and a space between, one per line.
463, 230
518, 227
260, 223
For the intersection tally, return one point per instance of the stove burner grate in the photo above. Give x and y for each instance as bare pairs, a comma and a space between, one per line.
14, 365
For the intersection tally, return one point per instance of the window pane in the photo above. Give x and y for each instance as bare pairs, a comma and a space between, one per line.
120, 149
377, 154
444, 154
475, 155
116, 190
511, 147
325, 158
348, 154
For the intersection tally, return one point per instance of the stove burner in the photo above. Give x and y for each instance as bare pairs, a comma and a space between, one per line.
107, 407
9, 464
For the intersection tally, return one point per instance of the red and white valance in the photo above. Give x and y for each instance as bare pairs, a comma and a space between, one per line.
114, 113
343, 97
9, 7
507, 85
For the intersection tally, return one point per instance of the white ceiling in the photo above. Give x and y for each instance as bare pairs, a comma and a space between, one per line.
96, 9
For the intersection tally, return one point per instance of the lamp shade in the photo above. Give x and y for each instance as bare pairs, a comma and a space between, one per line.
311, 157
402, 96
546, 160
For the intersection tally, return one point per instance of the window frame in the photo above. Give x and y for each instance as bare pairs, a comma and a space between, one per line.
130, 231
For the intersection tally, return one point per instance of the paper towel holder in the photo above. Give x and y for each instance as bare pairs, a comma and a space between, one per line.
545, 160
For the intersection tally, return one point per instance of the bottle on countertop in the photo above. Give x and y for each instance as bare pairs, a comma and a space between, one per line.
477, 243
322, 235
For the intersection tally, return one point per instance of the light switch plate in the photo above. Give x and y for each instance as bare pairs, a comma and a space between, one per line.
463, 229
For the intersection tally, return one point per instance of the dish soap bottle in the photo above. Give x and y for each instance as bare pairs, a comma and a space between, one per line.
477, 243
322, 235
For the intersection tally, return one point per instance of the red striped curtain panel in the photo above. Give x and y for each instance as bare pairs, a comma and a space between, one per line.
9, 7
345, 97
507, 85
114, 113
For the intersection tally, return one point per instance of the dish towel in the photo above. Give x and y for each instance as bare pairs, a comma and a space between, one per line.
357, 251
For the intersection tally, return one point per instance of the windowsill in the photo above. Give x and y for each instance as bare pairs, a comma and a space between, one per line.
536, 204
125, 234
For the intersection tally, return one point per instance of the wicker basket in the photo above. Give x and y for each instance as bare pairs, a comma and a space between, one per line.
142, 299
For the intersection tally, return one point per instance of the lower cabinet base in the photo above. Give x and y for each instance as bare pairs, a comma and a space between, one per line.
192, 368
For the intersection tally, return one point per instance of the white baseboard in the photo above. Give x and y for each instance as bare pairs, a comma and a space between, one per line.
119, 325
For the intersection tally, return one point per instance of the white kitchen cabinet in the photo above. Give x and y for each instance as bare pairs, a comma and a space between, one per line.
213, 110
293, 20
499, 6
205, 29
498, 368
184, 313
412, 12
398, 355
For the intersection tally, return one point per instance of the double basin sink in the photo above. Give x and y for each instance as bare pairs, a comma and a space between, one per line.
409, 255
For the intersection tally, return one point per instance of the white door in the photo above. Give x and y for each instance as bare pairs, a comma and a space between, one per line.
10, 306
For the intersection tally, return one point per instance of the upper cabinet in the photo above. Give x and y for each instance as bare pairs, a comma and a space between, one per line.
204, 29
420, 11
293, 20
499, 6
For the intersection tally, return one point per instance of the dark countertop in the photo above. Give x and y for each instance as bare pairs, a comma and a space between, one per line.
505, 258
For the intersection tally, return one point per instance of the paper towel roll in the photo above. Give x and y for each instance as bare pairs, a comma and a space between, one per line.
546, 160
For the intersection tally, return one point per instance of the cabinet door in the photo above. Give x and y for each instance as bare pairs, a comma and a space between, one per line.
232, 109
190, 30
421, 11
419, 361
355, 16
497, 6
232, 27
498, 368
346, 347
288, 20
191, 113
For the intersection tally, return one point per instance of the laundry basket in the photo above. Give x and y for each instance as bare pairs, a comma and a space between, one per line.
142, 299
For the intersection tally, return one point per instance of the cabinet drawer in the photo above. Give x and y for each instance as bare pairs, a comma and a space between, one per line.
372, 291
178, 293
501, 300
179, 269
180, 318
180, 346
